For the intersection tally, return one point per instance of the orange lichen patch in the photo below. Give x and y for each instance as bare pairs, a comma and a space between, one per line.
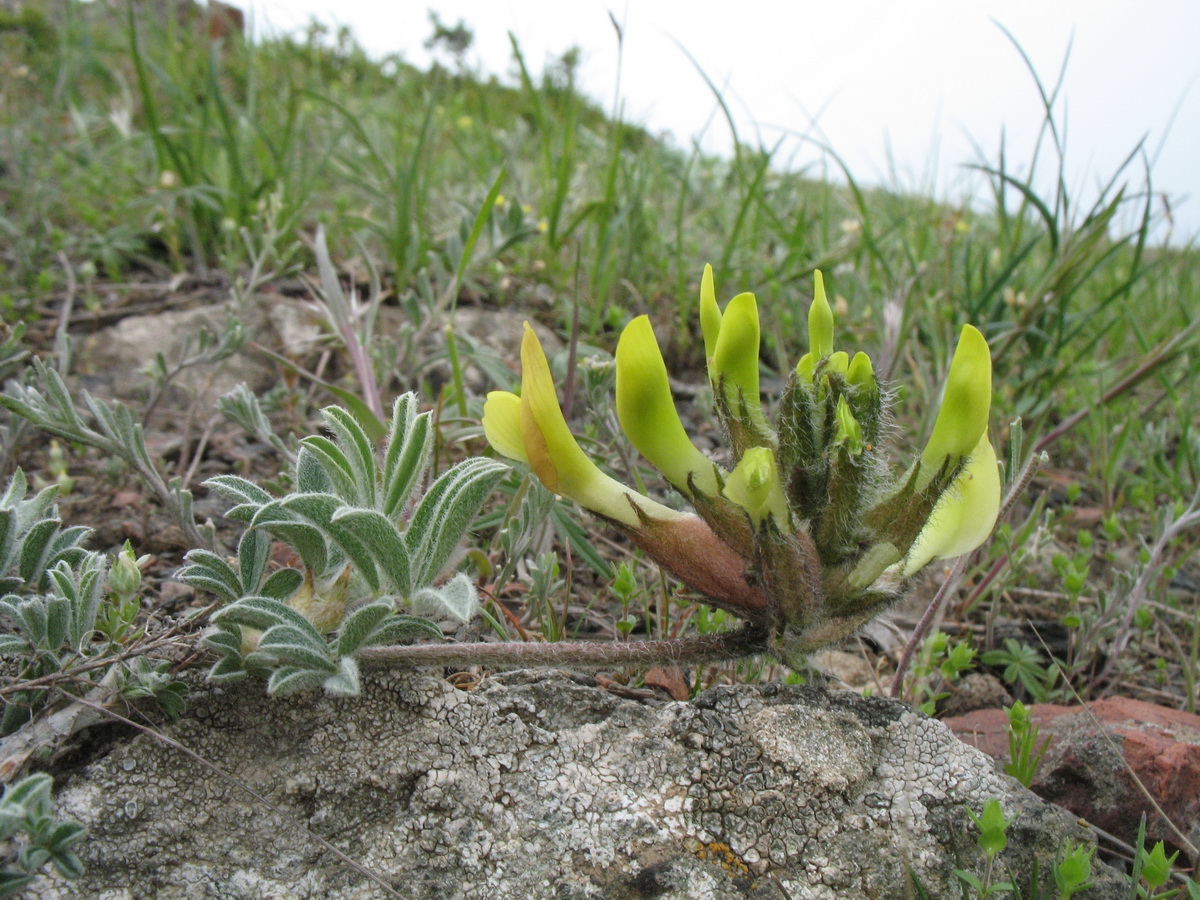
721, 854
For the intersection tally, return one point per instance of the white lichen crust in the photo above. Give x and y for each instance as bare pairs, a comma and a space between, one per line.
537, 784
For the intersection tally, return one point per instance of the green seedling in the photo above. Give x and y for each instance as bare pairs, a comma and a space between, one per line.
1024, 752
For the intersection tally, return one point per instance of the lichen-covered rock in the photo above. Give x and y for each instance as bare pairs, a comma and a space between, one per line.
538, 785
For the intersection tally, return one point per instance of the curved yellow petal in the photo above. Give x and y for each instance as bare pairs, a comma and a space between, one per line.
966, 514
647, 411
735, 357
555, 457
502, 424
710, 313
966, 403
820, 320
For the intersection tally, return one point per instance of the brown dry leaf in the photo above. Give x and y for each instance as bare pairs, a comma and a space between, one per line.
671, 679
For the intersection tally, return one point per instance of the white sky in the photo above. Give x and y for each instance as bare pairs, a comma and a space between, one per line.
915, 81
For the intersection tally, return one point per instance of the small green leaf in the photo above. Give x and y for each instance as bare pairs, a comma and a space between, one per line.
292, 679
298, 646
334, 464
207, 571
13, 644
992, 827
407, 455
307, 540
970, 879
311, 477
282, 584
445, 512
1156, 865
238, 489
457, 597
227, 669
345, 683
254, 549
359, 626
402, 629
381, 538
34, 548
259, 612
356, 449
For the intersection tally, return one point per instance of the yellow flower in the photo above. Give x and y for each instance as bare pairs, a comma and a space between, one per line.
531, 428
966, 404
648, 415
966, 514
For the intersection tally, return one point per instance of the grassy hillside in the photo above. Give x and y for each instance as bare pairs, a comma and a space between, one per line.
134, 149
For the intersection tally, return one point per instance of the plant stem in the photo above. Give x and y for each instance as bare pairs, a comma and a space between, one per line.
747, 641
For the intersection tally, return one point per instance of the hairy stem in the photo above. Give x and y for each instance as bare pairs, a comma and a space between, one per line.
575, 654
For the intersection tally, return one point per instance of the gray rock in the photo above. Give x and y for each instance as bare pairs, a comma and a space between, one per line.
538, 785
112, 362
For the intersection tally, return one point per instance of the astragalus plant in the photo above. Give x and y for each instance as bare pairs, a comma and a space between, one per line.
810, 533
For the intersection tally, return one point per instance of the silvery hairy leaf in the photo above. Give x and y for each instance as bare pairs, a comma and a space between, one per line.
457, 597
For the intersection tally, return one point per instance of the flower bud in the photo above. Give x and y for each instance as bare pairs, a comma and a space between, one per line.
710, 313
754, 485
860, 373
125, 576
846, 428
806, 367
820, 320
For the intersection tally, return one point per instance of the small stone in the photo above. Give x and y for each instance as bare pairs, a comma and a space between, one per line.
1087, 765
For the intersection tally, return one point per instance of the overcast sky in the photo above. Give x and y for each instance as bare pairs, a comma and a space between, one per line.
905, 92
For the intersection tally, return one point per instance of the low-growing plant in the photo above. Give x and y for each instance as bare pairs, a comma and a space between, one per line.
807, 537
1024, 752
992, 840
371, 554
1024, 668
941, 663
33, 836
44, 400
70, 614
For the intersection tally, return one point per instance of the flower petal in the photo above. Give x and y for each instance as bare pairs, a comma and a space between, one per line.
502, 424
966, 514
966, 403
648, 415
558, 460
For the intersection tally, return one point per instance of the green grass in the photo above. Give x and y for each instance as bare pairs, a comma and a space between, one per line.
138, 149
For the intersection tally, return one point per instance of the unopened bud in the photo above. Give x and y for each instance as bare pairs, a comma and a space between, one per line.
847, 431
754, 486
820, 320
125, 576
710, 313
